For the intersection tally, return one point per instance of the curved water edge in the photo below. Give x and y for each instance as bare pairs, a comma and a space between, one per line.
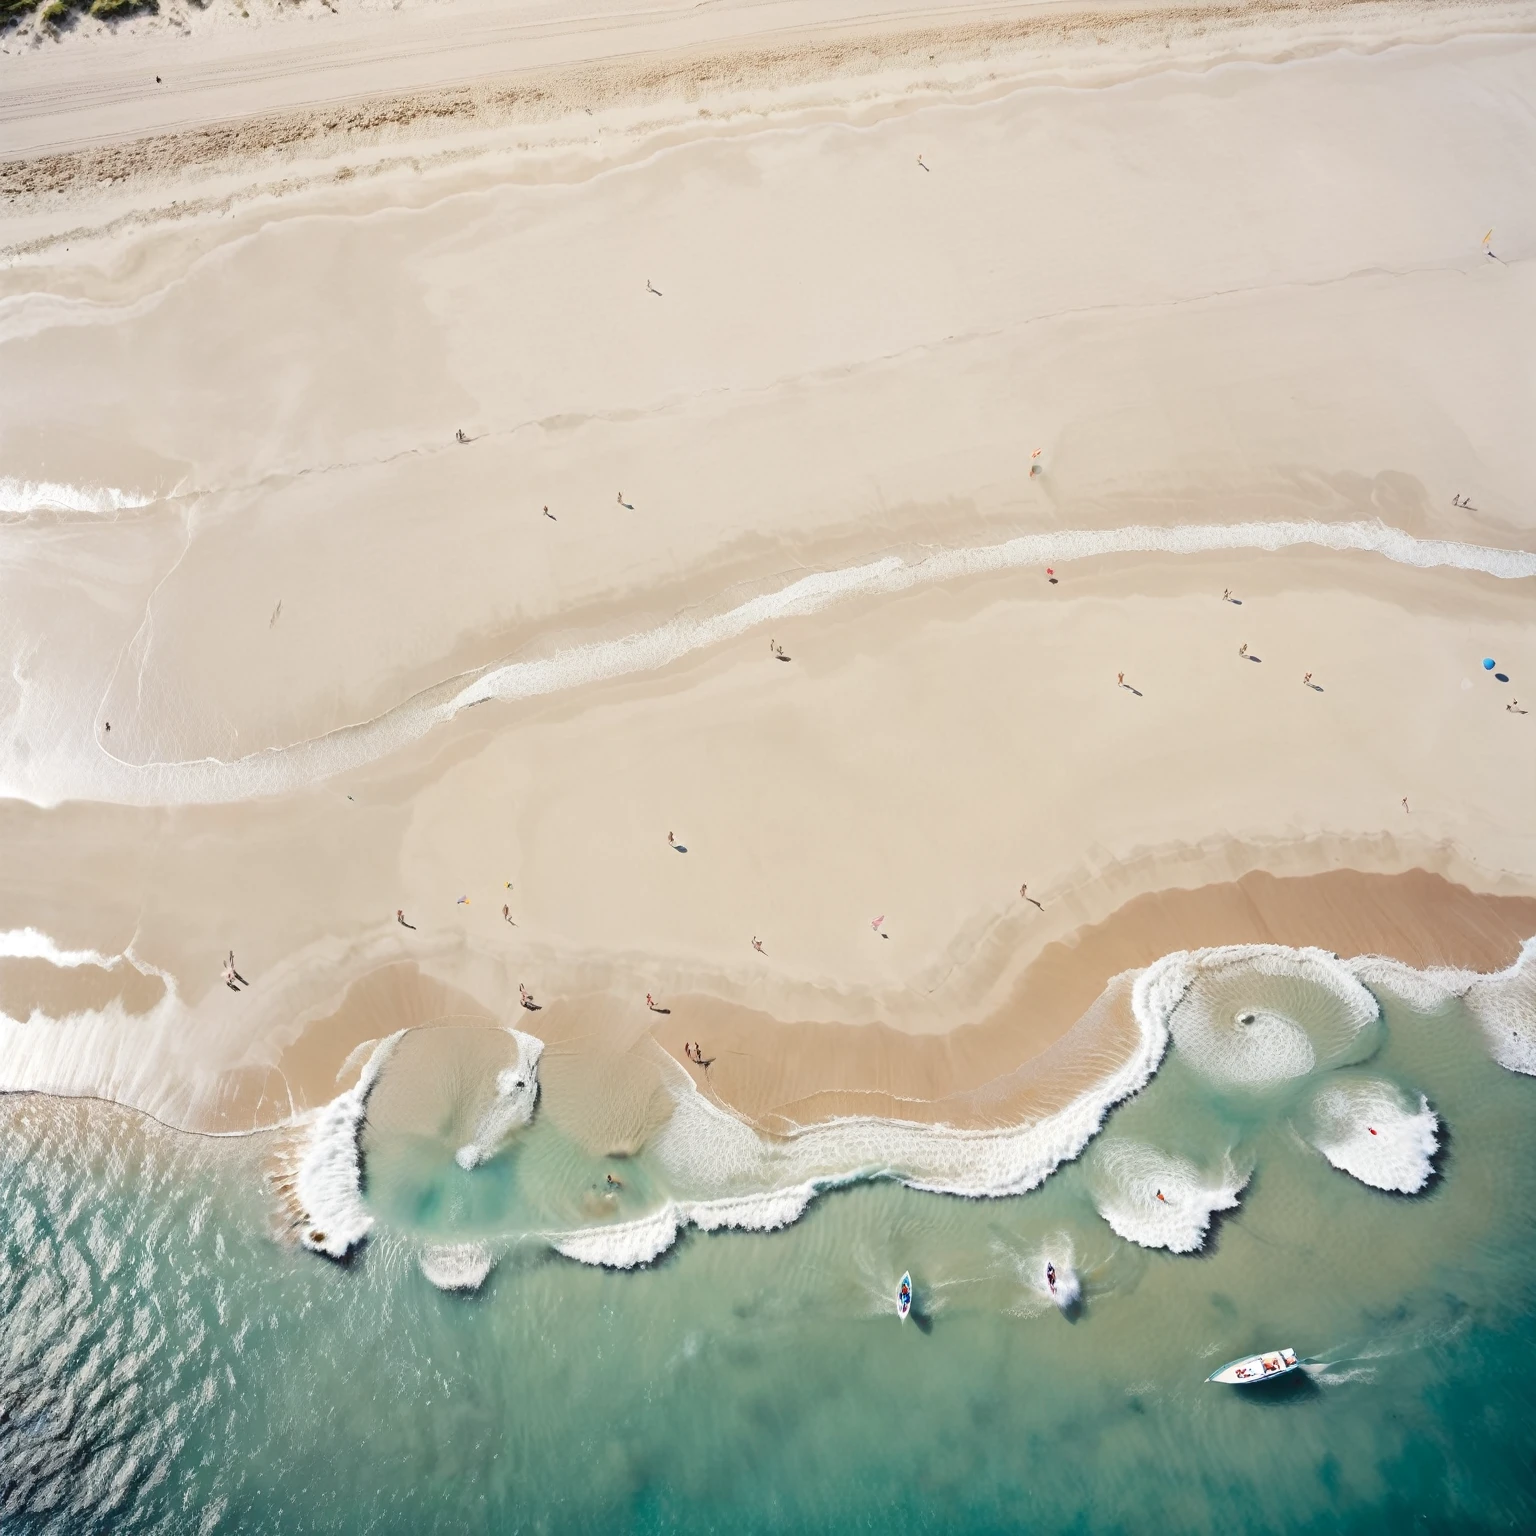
1366, 1128
96, 775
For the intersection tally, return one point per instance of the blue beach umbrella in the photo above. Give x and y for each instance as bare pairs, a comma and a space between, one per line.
1487, 663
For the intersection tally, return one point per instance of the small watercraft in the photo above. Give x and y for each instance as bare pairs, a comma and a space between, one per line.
1252, 1368
904, 1297
1050, 1276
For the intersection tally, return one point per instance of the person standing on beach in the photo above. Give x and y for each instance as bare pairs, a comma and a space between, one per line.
1306, 677
1120, 678
400, 918
757, 944
506, 914
1405, 804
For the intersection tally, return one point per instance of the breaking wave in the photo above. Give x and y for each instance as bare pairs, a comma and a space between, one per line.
1255, 1015
1244, 1016
511, 1106
327, 1185
1158, 1200
456, 1266
1370, 1130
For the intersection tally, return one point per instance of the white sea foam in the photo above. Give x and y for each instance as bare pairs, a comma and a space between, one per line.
1370, 1129
512, 1105
327, 1182
34, 944
1505, 1006
1263, 1013
1058, 1251
208, 781
736, 1177
456, 1266
28, 496
107, 1052
627, 1244
1129, 1178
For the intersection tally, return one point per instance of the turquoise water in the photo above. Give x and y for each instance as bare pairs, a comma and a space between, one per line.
165, 1365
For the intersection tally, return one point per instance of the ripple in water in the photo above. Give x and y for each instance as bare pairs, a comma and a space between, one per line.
1263, 1016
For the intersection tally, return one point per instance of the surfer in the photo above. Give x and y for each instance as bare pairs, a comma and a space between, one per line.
1050, 1277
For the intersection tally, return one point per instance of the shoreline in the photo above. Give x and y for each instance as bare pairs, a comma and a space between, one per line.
1065, 1022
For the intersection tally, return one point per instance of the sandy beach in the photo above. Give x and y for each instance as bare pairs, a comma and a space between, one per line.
769, 334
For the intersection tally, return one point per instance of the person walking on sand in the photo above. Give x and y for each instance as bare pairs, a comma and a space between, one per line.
1024, 892
671, 841
400, 918
229, 979
1120, 678
233, 972
650, 1002
1306, 677
506, 914
1242, 650
757, 944
1405, 804
1226, 594
524, 996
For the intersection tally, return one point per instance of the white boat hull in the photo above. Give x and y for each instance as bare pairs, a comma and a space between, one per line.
1269, 1366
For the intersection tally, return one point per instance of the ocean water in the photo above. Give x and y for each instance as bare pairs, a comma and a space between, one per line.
168, 1364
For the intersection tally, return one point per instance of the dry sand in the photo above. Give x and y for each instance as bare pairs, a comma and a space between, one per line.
1213, 276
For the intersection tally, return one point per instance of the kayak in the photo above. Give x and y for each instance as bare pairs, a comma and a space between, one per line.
904, 1297
1252, 1368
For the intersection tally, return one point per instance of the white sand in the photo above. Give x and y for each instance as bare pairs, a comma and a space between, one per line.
1237, 279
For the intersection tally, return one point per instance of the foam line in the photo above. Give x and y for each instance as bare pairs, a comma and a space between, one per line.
456, 1266
328, 1176
279, 770
511, 1106
28, 496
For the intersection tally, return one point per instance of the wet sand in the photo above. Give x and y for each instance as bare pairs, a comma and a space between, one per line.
1033, 291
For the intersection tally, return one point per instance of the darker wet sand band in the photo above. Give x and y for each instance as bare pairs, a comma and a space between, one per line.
1063, 1028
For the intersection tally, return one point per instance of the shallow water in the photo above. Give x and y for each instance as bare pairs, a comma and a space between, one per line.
166, 1365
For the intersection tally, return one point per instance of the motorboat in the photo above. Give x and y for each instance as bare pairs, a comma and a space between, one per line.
1252, 1368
